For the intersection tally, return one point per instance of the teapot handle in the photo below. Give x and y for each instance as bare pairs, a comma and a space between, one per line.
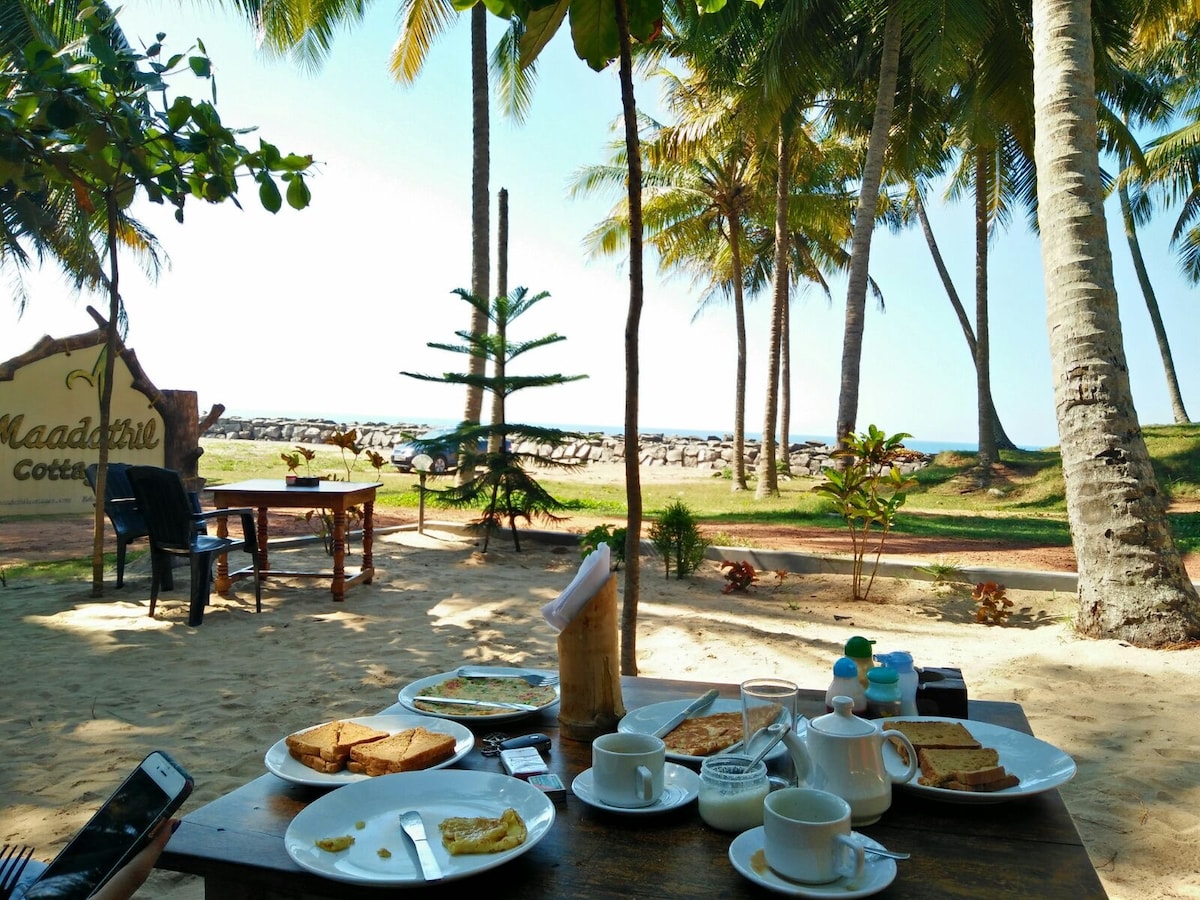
911, 769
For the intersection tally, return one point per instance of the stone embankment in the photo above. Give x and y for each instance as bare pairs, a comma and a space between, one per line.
711, 453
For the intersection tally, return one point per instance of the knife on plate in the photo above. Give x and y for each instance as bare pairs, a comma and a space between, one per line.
411, 822
490, 704
688, 711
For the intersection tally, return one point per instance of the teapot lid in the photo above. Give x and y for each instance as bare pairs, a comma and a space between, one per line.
842, 722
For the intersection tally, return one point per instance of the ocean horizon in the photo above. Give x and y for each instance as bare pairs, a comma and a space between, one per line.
924, 446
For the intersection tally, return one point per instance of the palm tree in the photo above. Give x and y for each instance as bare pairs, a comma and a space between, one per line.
1132, 584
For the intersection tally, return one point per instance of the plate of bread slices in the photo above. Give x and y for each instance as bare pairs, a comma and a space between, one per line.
964, 761
343, 751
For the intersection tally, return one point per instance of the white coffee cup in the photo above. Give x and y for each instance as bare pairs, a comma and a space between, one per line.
806, 834
627, 769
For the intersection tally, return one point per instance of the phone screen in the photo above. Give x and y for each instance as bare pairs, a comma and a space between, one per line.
114, 832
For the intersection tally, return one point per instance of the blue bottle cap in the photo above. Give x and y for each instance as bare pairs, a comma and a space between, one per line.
845, 668
900, 660
883, 675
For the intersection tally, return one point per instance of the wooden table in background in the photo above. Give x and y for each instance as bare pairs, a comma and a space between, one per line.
1022, 848
336, 496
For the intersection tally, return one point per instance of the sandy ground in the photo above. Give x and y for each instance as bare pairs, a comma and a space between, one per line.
92, 684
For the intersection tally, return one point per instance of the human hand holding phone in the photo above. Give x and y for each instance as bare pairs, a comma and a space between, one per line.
123, 839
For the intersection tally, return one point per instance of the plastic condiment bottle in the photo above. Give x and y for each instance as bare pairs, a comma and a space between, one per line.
883, 693
845, 684
902, 662
859, 650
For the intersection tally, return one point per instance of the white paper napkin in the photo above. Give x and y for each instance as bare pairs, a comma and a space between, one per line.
593, 574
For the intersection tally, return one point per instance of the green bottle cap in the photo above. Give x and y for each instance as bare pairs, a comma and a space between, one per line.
859, 648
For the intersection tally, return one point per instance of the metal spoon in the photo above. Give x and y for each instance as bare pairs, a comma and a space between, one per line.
890, 854
775, 733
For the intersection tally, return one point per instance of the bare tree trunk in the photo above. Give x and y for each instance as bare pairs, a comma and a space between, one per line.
495, 439
1003, 442
480, 220
633, 479
768, 479
105, 417
1132, 584
983, 383
1160, 331
864, 225
785, 390
739, 317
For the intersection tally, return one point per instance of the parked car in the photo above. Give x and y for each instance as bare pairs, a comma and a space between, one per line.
444, 452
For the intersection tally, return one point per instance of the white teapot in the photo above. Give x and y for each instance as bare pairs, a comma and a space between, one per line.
843, 754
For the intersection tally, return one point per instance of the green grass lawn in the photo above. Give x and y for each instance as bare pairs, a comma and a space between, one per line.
1024, 500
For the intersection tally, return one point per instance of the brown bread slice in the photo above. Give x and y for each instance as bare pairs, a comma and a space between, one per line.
998, 785
427, 748
938, 766
326, 748
979, 776
932, 734
380, 757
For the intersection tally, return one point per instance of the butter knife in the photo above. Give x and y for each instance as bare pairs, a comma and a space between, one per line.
490, 704
411, 822
690, 710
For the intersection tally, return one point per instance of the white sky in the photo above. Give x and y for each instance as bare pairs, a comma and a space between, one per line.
317, 312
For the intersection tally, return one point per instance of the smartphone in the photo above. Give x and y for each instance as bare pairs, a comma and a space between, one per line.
118, 830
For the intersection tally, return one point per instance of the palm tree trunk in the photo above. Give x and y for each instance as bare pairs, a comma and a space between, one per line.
864, 225
496, 438
480, 202
768, 479
983, 381
1003, 442
633, 479
1132, 584
785, 390
1160, 332
739, 317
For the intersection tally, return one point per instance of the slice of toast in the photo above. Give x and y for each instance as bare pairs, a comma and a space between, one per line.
326, 748
406, 751
932, 735
939, 766
998, 785
979, 776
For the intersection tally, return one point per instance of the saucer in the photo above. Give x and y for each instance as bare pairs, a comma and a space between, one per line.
747, 855
680, 786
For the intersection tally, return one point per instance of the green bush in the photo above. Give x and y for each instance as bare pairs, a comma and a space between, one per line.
605, 534
676, 536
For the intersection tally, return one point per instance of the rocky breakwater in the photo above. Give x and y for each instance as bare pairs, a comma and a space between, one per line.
714, 453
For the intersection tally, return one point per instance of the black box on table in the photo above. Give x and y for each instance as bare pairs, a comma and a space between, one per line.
941, 692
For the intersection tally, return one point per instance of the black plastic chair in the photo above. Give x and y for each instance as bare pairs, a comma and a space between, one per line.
121, 509
177, 530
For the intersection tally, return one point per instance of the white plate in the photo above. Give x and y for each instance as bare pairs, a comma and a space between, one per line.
748, 857
1039, 765
377, 804
680, 786
648, 719
422, 685
279, 761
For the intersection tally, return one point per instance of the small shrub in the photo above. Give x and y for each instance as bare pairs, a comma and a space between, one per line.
605, 534
942, 573
780, 576
994, 607
676, 536
739, 576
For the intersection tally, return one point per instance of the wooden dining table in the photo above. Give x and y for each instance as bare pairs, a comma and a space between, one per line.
339, 497
1026, 847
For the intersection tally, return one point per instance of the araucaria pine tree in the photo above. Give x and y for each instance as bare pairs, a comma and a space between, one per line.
499, 476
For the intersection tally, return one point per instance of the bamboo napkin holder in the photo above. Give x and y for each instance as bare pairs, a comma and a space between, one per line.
589, 669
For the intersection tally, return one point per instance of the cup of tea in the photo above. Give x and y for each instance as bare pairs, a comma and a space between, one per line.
806, 836
627, 769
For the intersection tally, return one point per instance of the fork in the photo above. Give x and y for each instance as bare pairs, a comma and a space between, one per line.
12, 864
534, 679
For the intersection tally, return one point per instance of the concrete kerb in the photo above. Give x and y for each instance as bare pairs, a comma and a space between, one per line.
804, 563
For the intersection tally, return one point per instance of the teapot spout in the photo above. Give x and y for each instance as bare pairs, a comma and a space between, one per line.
801, 760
